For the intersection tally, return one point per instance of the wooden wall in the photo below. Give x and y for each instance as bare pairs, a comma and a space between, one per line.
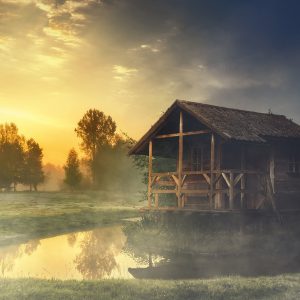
287, 180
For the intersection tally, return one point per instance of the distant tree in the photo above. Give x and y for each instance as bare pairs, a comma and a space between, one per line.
12, 155
73, 175
33, 170
96, 131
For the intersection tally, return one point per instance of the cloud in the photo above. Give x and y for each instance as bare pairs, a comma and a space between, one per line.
145, 54
123, 73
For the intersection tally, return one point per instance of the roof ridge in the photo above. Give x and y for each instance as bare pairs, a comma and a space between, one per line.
229, 108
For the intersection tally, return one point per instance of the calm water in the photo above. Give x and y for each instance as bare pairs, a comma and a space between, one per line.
152, 248
92, 254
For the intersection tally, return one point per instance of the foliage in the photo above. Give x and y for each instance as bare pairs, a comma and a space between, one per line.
12, 156
33, 170
73, 175
115, 169
95, 130
20, 160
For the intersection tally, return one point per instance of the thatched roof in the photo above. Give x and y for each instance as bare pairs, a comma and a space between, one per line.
229, 123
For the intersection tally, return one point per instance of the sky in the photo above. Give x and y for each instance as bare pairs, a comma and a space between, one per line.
132, 58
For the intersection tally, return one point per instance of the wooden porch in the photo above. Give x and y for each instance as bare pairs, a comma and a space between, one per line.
216, 189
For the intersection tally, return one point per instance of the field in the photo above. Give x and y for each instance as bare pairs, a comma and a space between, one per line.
281, 287
25, 216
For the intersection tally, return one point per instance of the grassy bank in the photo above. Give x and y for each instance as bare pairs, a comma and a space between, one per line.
25, 216
280, 287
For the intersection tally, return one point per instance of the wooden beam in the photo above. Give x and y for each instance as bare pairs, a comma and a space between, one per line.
180, 158
153, 181
238, 178
171, 135
218, 183
156, 200
164, 191
212, 168
231, 190
226, 179
207, 178
272, 170
166, 174
243, 179
202, 192
150, 173
166, 183
175, 180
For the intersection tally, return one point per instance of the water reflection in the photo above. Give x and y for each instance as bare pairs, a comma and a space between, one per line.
93, 254
161, 247
9, 255
99, 250
178, 247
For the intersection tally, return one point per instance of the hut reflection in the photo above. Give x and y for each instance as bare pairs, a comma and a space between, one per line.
178, 247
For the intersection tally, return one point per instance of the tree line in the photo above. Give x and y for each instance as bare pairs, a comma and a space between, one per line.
20, 159
104, 165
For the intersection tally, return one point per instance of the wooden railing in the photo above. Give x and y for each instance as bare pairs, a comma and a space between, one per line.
218, 183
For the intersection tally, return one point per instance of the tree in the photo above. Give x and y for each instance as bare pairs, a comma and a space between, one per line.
12, 155
96, 130
33, 171
73, 175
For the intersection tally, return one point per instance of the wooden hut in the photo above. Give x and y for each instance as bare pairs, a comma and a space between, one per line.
207, 157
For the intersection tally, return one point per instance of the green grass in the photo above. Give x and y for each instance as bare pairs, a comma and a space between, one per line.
25, 216
280, 287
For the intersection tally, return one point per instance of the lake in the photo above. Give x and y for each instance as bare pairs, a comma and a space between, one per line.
94, 254
153, 248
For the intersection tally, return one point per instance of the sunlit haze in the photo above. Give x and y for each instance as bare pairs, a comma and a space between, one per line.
132, 59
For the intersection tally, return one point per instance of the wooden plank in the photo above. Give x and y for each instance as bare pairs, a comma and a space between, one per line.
243, 179
207, 178
156, 200
175, 179
272, 169
155, 191
203, 192
226, 179
166, 183
212, 167
180, 158
154, 178
250, 172
171, 135
165, 174
217, 178
237, 179
150, 173
231, 190
219, 202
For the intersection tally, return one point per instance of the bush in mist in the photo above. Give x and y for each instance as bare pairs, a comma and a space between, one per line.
73, 175
106, 153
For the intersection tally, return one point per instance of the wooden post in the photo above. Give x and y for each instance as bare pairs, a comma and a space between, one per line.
272, 169
219, 195
150, 174
156, 200
180, 159
212, 167
243, 179
231, 190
